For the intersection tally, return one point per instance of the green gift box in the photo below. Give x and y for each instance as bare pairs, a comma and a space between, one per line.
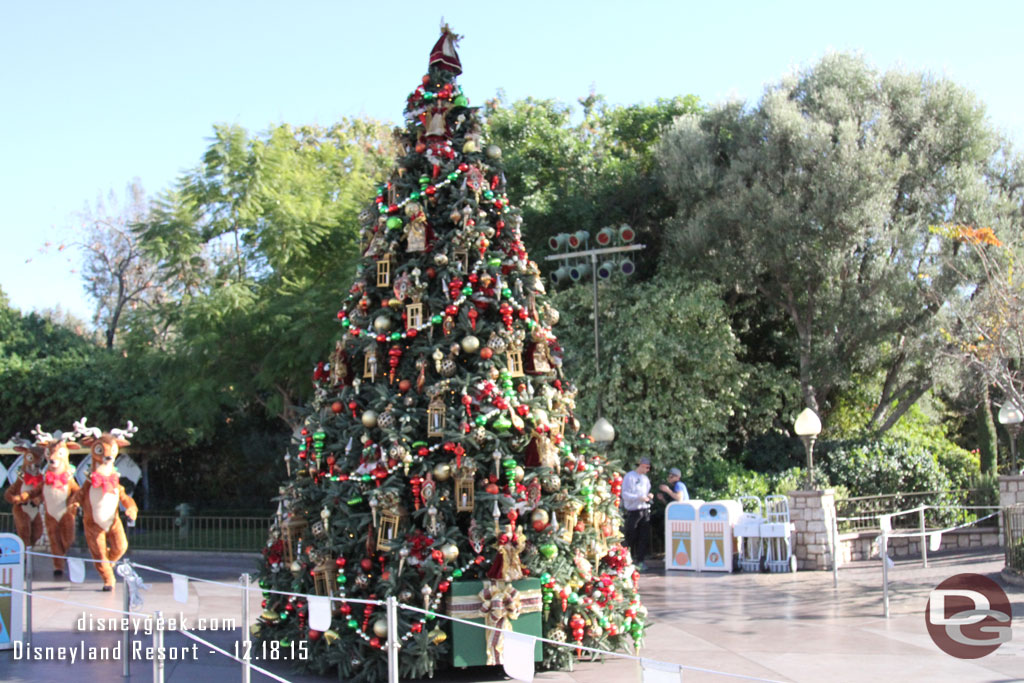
502, 604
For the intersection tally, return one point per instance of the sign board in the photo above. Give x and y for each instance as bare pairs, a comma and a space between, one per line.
12, 575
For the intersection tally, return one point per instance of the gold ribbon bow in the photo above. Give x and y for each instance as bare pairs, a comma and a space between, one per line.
498, 604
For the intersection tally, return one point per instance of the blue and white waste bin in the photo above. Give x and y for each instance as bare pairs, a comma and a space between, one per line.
717, 520
683, 541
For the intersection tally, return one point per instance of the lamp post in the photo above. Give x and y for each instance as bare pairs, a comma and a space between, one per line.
1010, 416
807, 427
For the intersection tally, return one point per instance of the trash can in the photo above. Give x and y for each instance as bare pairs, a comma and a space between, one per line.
748, 534
717, 520
682, 535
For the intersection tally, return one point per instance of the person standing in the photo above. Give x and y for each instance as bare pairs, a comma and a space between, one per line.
636, 499
675, 488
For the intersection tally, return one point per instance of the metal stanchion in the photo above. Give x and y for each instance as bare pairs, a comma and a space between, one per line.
924, 538
246, 671
126, 637
883, 550
158, 648
835, 552
393, 644
28, 597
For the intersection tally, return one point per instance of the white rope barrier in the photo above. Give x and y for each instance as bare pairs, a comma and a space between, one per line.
594, 651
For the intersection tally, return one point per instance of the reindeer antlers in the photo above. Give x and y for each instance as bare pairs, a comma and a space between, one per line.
95, 432
125, 433
82, 430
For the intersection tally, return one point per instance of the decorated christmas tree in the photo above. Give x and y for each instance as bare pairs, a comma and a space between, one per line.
441, 461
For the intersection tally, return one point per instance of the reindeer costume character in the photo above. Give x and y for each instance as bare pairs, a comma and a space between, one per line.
59, 489
100, 497
26, 493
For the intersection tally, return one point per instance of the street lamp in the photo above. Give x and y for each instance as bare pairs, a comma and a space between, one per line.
603, 432
807, 427
1010, 416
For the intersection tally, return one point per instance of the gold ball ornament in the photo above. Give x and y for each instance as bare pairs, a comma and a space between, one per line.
369, 419
331, 636
450, 552
540, 515
382, 323
380, 628
520, 473
437, 636
442, 471
470, 343
469, 147
493, 152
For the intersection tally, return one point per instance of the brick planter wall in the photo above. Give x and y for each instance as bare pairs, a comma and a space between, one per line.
812, 514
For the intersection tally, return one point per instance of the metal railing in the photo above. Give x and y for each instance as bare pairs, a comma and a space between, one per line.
861, 513
1013, 527
170, 532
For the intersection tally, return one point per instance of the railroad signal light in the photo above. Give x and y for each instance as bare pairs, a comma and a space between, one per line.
605, 236
558, 241
606, 269
626, 233
579, 271
627, 266
560, 275
578, 238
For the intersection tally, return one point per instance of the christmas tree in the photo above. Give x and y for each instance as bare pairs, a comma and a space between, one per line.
441, 460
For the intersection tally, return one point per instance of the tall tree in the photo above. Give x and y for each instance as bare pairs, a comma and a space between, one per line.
251, 244
819, 201
118, 275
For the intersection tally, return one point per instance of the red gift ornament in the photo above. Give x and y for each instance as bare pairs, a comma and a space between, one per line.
472, 313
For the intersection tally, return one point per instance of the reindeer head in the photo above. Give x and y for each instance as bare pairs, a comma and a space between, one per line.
55, 448
32, 455
103, 446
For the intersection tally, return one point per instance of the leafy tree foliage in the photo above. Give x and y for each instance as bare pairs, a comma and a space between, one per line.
253, 243
819, 201
584, 176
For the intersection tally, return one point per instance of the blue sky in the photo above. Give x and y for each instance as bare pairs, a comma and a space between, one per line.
96, 94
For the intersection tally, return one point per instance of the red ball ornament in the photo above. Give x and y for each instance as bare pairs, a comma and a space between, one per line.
404, 385
444, 586
345, 608
431, 272
314, 635
486, 352
366, 563
337, 407
416, 628
426, 79
375, 642
437, 555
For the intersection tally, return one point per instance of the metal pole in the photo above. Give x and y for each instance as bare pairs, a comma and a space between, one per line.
393, 643
158, 642
246, 671
884, 552
597, 346
126, 663
924, 537
28, 597
835, 547
1013, 448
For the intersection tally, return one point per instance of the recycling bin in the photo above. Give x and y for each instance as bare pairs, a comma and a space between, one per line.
716, 520
682, 535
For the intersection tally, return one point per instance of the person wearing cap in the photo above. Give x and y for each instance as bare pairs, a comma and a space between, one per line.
675, 488
636, 499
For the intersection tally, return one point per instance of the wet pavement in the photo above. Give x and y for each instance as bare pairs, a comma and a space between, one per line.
783, 627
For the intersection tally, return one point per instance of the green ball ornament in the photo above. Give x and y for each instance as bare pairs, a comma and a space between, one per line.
548, 550
467, 290
395, 336
452, 176
574, 598
460, 101
502, 424
394, 223
506, 293
436, 319
414, 196
457, 573
494, 262
346, 323
352, 624
480, 420
545, 578
488, 195
424, 180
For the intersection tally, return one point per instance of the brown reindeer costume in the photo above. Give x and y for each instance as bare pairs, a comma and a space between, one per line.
26, 493
59, 488
100, 497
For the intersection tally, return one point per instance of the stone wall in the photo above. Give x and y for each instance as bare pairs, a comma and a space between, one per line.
1011, 492
863, 545
812, 514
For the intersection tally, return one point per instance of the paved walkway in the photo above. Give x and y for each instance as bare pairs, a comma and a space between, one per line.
784, 627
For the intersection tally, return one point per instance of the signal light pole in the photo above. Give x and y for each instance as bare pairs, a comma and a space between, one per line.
579, 238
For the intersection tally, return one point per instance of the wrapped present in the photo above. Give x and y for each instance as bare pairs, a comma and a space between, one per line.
514, 606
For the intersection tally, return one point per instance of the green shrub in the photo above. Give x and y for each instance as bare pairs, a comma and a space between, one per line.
871, 467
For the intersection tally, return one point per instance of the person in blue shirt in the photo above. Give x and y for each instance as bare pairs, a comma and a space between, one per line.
675, 488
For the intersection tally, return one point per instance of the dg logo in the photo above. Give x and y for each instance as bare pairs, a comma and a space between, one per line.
968, 616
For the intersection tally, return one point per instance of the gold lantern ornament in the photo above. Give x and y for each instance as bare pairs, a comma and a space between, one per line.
325, 575
436, 416
465, 486
413, 315
392, 517
384, 271
514, 360
291, 534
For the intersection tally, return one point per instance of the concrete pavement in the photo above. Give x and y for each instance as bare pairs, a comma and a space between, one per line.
785, 627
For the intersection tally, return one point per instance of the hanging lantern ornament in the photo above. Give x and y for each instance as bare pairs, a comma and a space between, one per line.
465, 486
